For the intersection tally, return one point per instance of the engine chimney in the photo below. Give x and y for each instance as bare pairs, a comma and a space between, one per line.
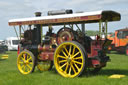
38, 29
38, 14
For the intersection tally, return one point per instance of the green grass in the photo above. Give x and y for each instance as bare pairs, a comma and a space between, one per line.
9, 74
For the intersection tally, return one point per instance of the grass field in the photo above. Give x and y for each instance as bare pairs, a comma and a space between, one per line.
9, 74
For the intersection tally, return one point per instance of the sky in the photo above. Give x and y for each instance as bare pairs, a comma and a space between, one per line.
13, 9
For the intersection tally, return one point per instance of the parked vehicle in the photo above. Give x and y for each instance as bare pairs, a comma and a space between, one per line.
119, 41
3, 47
12, 43
72, 51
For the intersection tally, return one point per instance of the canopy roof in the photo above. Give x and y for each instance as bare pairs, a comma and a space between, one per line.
85, 17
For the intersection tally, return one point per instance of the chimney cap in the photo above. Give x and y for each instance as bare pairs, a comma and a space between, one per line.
38, 14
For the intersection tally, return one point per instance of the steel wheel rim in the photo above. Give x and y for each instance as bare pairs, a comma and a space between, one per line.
44, 65
68, 60
25, 62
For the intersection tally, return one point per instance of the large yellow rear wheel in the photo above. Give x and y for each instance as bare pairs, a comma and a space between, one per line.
69, 59
26, 62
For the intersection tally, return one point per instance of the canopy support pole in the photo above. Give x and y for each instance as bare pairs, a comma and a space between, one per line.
71, 25
20, 31
83, 27
106, 23
78, 27
16, 32
41, 33
100, 22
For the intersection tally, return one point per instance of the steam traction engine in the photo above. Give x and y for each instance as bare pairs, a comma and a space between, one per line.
70, 51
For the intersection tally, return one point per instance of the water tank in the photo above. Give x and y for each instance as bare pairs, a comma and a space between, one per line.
60, 12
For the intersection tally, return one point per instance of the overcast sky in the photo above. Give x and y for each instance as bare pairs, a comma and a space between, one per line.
11, 9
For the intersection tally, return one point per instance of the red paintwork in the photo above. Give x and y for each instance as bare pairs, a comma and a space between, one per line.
46, 48
64, 38
18, 51
127, 51
95, 62
47, 52
46, 56
95, 46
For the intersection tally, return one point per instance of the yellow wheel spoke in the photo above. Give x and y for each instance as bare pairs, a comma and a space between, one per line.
73, 50
78, 57
77, 67
77, 62
29, 67
63, 65
70, 70
75, 54
64, 53
22, 66
66, 68
66, 49
70, 50
61, 56
62, 61
73, 68
29, 58
21, 62
24, 56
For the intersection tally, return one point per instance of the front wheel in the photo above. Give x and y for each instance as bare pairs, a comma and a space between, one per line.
70, 59
26, 62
